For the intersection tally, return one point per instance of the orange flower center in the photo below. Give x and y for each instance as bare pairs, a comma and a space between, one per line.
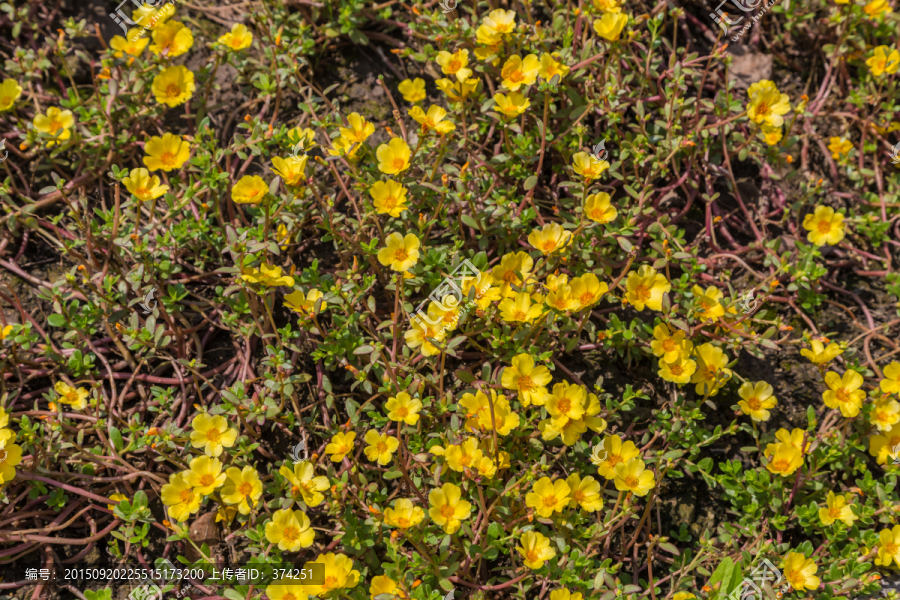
532, 556
578, 496
843, 395
763, 109
754, 403
55, 126
401, 254
586, 299
4, 100
213, 435
550, 501
142, 191
173, 90
72, 395
780, 465
454, 66
167, 158
642, 292
676, 369
668, 345
186, 496
526, 384
402, 412
447, 511
207, 480
236, 42
824, 227
465, 460
403, 522
631, 481
381, 447
510, 277
330, 582
517, 76
564, 405
834, 512
519, 315
398, 163
549, 245
613, 460
291, 534
245, 489
389, 203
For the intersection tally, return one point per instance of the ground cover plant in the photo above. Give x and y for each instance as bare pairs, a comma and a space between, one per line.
506, 299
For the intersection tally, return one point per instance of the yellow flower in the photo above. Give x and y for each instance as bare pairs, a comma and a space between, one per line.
292, 170
888, 547
242, 487
9, 93
548, 497
517, 72
389, 197
304, 482
564, 594
456, 90
519, 309
205, 475
304, 304
500, 21
786, 459
479, 411
432, 120
404, 514
839, 147
505, 275
587, 290
825, 226
132, 44
511, 105
708, 305
891, 382
400, 253
608, 6
151, 18
226, 514
174, 86
238, 38
616, 453
884, 60
528, 380
403, 408
610, 25
881, 446
340, 446
767, 104
757, 400
212, 434
180, 498
597, 208
550, 68
485, 292
587, 166
877, 8
678, 371
341, 147
667, 345
55, 123
561, 298
793, 438
267, 275
455, 64
339, 574
75, 397
820, 355
447, 508
382, 584
393, 157
286, 589
646, 288
251, 189
118, 498
381, 447
836, 509
10, 456
771, 135
490, 41
584, 493
800, 572
144, 186
683, 596
167, 152
633, 477
535, 549
291, 530
463, 455
844, 394
565, 404
422, 331
172, 39
413, 91
359, 130
550, 238
885, 414
711, 372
